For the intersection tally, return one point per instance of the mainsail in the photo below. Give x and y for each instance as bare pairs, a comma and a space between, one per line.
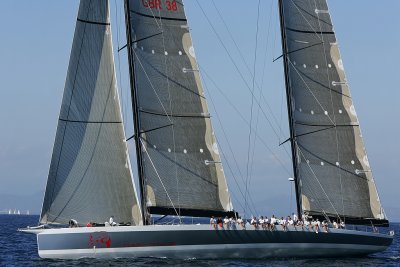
330, 162
179, 163
90, 176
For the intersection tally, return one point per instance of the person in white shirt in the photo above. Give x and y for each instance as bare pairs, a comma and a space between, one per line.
226, 222
312, 224
283, 223
213, 222
240, 222
73, 223
342, 225
261, 222
301, 224
267, 224
295, 218
273, 222
254, 222
317, 226
290, 221
231, 224
111, 221
335, 225
325, 226
306, 223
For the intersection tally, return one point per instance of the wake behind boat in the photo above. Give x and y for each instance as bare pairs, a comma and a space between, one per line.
179, 165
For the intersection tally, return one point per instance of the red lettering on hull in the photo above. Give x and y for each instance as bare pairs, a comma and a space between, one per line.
100, 239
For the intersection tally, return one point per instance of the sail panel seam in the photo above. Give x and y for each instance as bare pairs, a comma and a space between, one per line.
327, 125
94, 122
93, 22
176, 115
304, 31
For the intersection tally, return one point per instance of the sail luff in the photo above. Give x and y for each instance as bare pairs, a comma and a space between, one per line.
136, 121
139, 210
292, 138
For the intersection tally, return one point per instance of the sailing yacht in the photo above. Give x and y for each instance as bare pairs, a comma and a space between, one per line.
178, 161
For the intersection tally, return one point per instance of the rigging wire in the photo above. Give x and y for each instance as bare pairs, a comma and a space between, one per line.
159, 178
251, 74
152, 87
248, 171
230, 149
283, 165
261, 86
319, 183
241, 74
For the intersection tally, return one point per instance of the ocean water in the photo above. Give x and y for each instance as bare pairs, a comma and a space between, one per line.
19, 249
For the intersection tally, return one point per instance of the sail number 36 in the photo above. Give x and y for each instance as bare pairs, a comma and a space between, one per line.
157, 4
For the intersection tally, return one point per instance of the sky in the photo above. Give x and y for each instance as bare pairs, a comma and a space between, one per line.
34, 54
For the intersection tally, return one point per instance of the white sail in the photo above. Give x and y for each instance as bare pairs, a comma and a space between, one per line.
90, 177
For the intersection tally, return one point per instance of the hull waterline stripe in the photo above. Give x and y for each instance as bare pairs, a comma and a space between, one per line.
218, 251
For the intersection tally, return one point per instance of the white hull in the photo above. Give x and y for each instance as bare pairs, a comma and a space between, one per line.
203, 242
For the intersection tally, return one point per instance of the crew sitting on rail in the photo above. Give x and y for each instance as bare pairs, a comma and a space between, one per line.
261, 222
266, 223
290, 221
325, 226
254, 222
73, 223
282, 222
300, 223
240, 222
219, 222
315, 225
226, 222
342, 225
295, 219
306, 223
213, 222
232, 224
335, 225
273, 222
111, 221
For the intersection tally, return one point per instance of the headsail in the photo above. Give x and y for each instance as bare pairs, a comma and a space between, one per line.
182, 171
331, 165
90, 176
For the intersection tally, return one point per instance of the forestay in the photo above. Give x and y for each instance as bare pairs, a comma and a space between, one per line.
334, 175
90, 176
182, 171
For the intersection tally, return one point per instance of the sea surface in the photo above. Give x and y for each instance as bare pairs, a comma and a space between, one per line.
19, 249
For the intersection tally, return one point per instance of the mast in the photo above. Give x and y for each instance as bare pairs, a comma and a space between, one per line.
289, 107
135, 109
